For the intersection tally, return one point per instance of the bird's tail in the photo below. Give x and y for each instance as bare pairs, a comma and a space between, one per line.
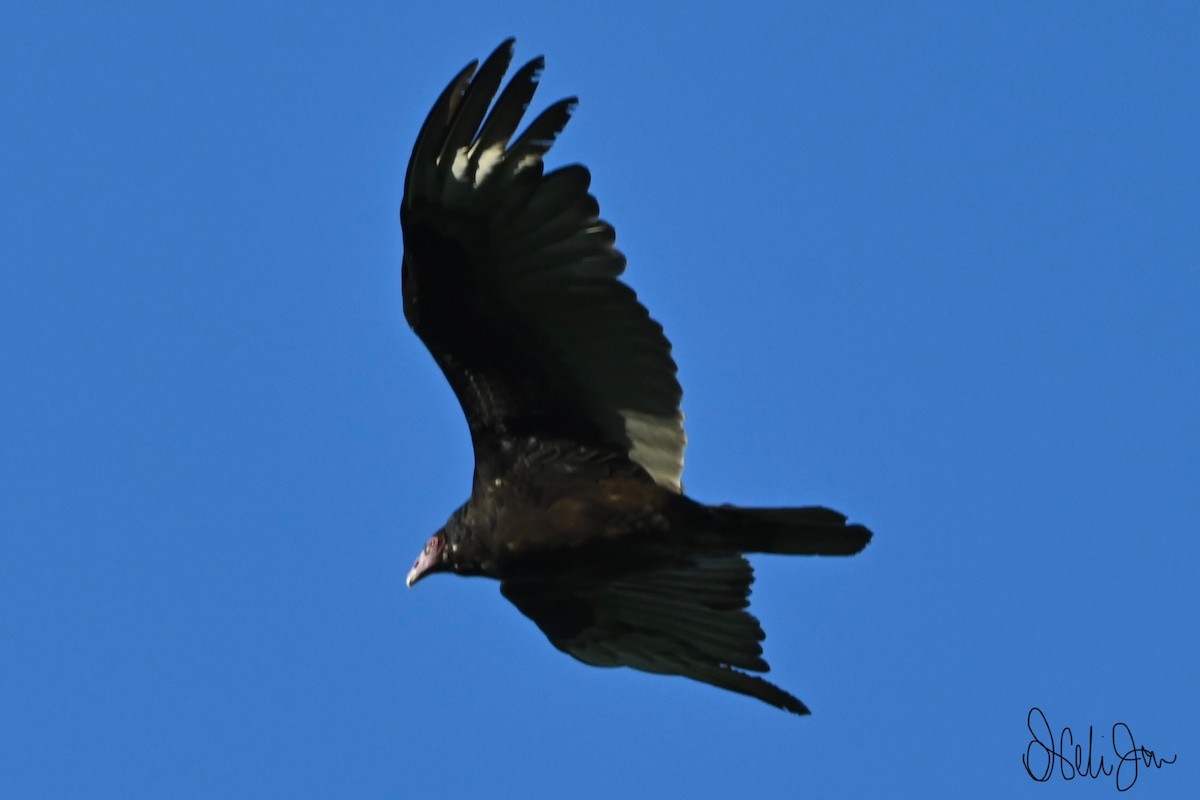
808, 531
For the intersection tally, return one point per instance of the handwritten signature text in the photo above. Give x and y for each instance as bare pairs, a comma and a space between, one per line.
1044, 753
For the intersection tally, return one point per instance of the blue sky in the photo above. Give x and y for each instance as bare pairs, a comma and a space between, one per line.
937, 267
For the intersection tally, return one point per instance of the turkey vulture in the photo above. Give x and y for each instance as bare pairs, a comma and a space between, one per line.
510, 278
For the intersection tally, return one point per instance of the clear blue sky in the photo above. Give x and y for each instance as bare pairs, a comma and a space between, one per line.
936, 267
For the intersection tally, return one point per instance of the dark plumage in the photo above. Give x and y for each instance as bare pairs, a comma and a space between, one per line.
569, 389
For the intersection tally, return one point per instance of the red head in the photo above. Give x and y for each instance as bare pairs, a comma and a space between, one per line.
430, 560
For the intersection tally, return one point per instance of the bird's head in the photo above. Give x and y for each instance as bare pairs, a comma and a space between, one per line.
432, 559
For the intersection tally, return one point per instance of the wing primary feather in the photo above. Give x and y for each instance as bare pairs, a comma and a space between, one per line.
536, 139
431, 136
472, 107
506, 115
727, 678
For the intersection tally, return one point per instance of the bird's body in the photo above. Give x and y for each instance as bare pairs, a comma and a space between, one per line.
569, 390
550, 512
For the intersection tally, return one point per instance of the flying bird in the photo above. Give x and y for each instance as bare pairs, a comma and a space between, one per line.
511, 279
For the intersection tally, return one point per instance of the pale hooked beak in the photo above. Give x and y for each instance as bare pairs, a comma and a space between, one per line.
416, 572
430, 560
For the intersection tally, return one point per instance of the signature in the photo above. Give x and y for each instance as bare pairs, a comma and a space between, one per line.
1070, 759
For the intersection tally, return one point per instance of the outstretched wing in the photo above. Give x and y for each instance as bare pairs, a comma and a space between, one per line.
689, 620
511, 280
